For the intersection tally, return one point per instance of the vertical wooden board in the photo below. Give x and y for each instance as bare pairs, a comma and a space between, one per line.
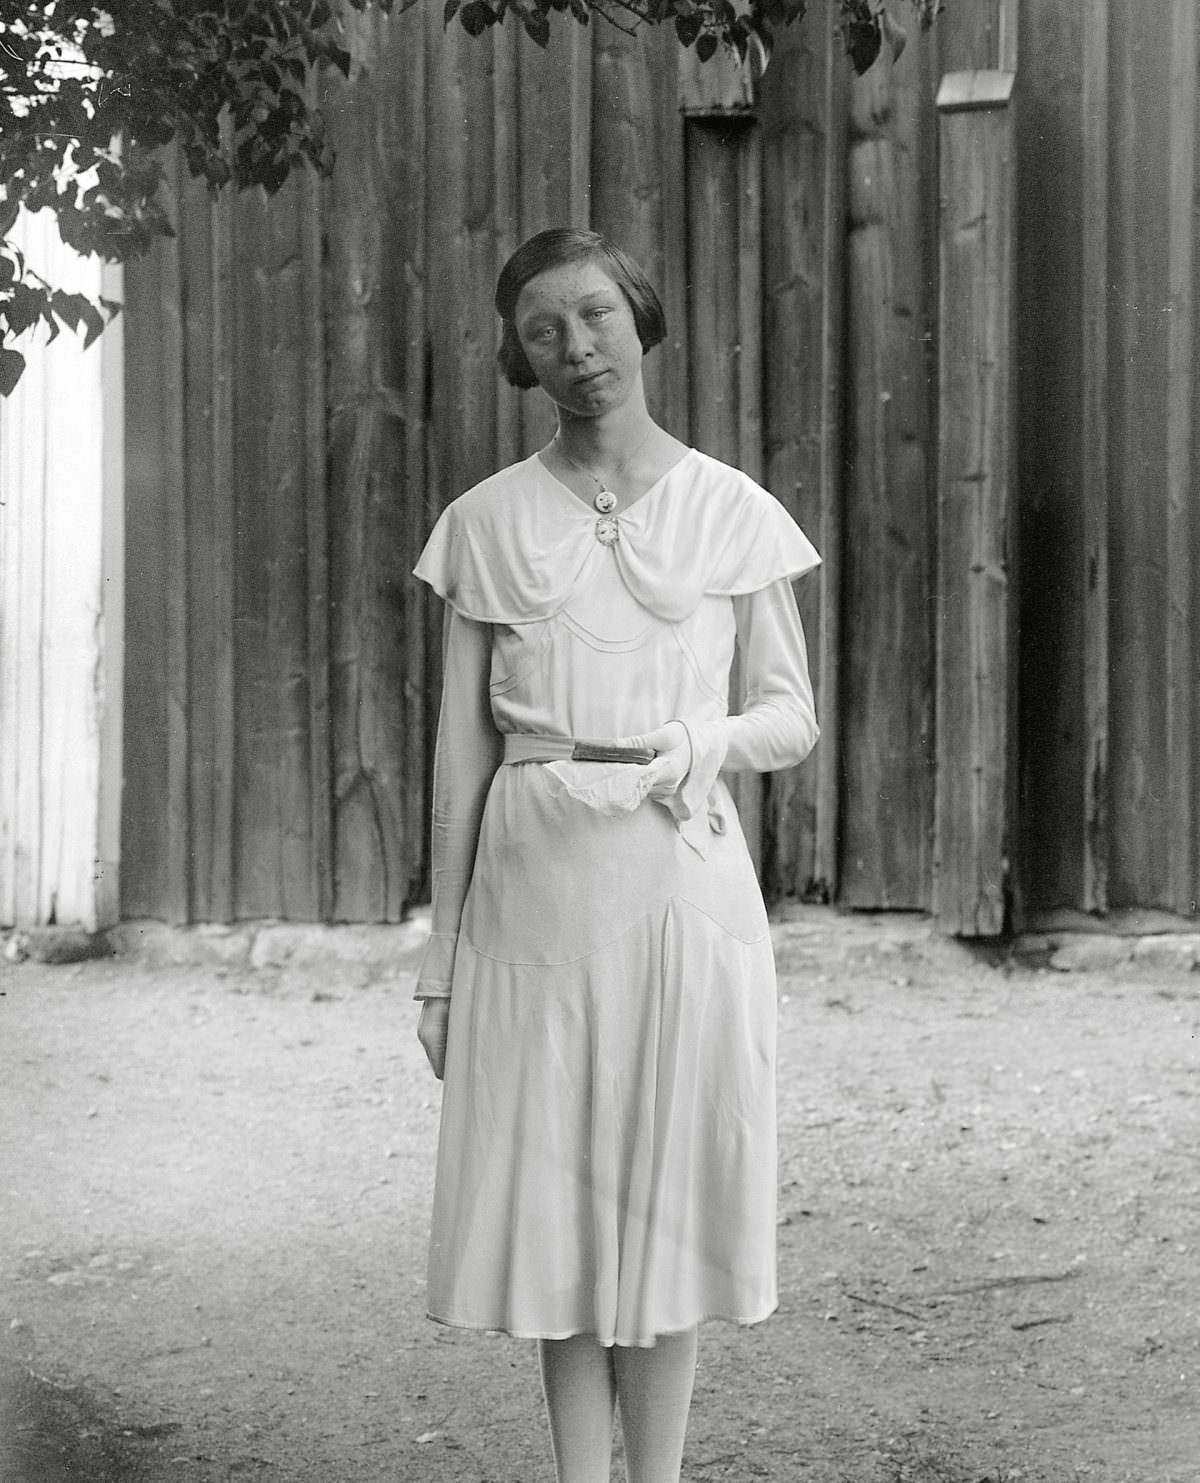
1182, 596
1191, 902
553, 149
202, 464
714, 327
73, 675
636, 192
975, 627
802, 110
52, 619
554, 142
174, 497
316, 543
23, 553
144, 851
13, 433
1053, 227
670, 365
218, 798
460, 206
419, 625
1094, 476
968, 37
725, 328
379, 504
150, 308
272, 816
886, 678
112, 604
511, 402
1142, 825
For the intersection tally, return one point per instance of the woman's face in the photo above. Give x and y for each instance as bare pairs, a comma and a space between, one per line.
577, 330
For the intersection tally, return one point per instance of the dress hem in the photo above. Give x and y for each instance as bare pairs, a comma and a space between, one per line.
571, 1333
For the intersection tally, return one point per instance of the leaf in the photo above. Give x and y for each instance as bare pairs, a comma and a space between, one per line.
863, 40
537, 28
69, 307
25, 307
450, 11
476, 17
706, 46
93, 322
688, 27
12, 364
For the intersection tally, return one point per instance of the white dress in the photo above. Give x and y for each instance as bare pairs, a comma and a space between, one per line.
607, 1159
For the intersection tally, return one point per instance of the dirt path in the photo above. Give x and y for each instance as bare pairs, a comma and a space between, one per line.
214, 1188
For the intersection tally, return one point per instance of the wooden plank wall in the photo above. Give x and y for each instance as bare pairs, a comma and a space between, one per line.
60, 614
886, 649
218, 822
1110, 537
976, 579
1153, 530
1062, 532
803, 103
338, 388
377, 397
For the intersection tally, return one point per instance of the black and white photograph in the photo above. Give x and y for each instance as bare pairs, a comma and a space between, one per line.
599, 741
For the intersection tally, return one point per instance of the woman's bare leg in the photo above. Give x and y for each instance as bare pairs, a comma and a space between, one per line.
580, 1388
654, 1392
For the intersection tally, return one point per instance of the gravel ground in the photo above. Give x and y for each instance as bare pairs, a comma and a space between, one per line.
214, 1192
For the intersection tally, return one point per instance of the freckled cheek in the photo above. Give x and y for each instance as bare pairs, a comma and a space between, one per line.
620, 344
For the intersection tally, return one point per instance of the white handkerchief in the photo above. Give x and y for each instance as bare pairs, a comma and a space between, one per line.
606, 787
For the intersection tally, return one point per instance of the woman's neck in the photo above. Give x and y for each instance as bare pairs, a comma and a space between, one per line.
606, 440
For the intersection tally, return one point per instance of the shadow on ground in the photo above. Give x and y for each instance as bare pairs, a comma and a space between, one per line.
52, 1433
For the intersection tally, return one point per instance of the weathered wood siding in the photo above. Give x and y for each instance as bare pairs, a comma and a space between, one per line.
803, 106
61, 546
886, 650
1110, 534
975, 653
311, 382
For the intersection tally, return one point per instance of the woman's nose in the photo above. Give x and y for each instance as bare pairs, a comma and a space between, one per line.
577, 344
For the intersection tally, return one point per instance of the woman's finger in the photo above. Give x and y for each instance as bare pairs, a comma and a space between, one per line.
665, 738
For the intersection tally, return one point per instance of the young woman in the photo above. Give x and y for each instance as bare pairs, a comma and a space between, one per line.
599, 987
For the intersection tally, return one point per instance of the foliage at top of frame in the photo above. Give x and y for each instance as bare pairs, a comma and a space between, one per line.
90, 92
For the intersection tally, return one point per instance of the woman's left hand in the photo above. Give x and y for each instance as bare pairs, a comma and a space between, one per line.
674, 748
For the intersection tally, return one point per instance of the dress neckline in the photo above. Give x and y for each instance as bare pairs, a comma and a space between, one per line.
587, 509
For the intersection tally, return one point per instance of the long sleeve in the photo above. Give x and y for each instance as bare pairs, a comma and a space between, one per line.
468, 753
777, 724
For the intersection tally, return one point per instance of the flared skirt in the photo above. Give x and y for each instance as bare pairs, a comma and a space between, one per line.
607, 1152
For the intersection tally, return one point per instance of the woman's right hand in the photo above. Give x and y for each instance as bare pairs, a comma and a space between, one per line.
672, 747
431, 1032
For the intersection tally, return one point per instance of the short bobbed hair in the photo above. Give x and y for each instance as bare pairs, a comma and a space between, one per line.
552, 249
